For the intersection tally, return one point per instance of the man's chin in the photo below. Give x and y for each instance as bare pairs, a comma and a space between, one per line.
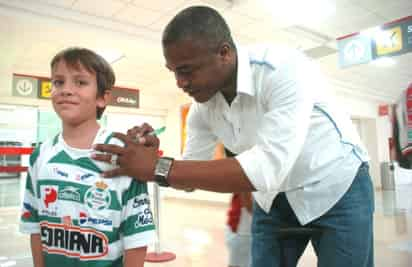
201, 99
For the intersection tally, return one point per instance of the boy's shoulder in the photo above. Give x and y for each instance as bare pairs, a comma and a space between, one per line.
105, 136
41, 149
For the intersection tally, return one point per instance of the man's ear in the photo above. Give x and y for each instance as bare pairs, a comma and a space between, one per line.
104, 100
225, 51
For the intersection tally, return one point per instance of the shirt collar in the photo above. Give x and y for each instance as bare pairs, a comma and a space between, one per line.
244, 73
244, 84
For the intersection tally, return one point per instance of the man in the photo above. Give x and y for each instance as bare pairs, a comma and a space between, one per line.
302, 157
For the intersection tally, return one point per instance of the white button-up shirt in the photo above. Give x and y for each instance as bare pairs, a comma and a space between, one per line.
288, 135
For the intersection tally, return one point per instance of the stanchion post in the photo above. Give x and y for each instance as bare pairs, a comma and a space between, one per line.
158, 255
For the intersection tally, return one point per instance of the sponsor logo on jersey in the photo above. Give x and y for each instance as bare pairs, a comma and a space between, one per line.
144, 218
140, 201
85, 176
73, 241
85, 219
70, 193
60, 172
48, 195
98, 196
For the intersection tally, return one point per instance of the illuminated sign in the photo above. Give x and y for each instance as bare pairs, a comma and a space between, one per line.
45, 88
388, 41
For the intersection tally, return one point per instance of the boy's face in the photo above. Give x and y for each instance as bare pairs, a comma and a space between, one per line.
74, 93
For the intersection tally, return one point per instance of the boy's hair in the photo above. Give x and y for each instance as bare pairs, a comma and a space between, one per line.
198, 23
92, 62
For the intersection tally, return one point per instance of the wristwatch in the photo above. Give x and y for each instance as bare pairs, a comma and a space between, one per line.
162, 170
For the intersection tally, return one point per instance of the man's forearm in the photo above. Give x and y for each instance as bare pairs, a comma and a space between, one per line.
225, 175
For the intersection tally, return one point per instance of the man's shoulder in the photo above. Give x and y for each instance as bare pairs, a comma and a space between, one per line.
272, 55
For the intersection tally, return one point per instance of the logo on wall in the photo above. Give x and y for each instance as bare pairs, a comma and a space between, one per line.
98, 196
389, 41
125, 97
45, 88
24, 87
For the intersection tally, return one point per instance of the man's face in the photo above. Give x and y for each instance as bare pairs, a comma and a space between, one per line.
198, 70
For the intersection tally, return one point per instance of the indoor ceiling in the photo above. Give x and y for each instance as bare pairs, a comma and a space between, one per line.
32, 31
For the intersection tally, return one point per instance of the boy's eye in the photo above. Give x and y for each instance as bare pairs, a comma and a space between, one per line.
80, 83
57, 83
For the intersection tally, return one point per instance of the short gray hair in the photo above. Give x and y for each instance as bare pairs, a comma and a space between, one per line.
198, 23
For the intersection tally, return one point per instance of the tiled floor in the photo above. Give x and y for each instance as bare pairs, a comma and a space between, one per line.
193, 230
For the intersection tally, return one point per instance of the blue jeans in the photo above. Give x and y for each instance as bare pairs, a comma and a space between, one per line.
346, 237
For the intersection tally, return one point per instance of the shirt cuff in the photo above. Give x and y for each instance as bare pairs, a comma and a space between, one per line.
29, 228
248, 162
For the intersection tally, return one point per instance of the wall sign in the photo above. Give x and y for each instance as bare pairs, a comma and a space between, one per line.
41, 87
393, 38
24, 86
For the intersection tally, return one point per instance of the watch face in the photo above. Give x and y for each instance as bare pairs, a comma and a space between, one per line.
162, 169
163, 166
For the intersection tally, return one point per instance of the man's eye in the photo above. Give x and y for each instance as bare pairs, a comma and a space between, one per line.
184, 72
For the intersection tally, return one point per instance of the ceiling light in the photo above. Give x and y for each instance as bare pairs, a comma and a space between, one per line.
301, 12
384, 62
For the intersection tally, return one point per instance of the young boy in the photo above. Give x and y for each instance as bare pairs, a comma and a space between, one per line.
74, 216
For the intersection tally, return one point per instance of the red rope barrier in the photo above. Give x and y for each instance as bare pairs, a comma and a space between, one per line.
13, 169
9, 150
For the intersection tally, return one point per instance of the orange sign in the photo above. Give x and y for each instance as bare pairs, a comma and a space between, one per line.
184, 110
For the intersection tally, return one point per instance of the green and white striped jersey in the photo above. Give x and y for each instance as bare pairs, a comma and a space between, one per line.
83, 219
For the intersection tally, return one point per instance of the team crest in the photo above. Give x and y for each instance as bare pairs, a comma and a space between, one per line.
98, 196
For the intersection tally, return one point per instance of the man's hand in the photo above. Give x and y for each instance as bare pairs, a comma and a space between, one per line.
138, 132
136, 159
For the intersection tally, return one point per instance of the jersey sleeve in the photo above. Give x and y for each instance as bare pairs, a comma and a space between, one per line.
29, 219
137, 227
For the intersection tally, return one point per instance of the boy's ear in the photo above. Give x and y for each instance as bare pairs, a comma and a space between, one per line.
104, 100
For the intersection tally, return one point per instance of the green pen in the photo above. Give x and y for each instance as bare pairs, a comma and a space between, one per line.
157, 131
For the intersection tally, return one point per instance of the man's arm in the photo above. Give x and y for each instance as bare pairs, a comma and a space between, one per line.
223, 175
134, 257
36, 250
